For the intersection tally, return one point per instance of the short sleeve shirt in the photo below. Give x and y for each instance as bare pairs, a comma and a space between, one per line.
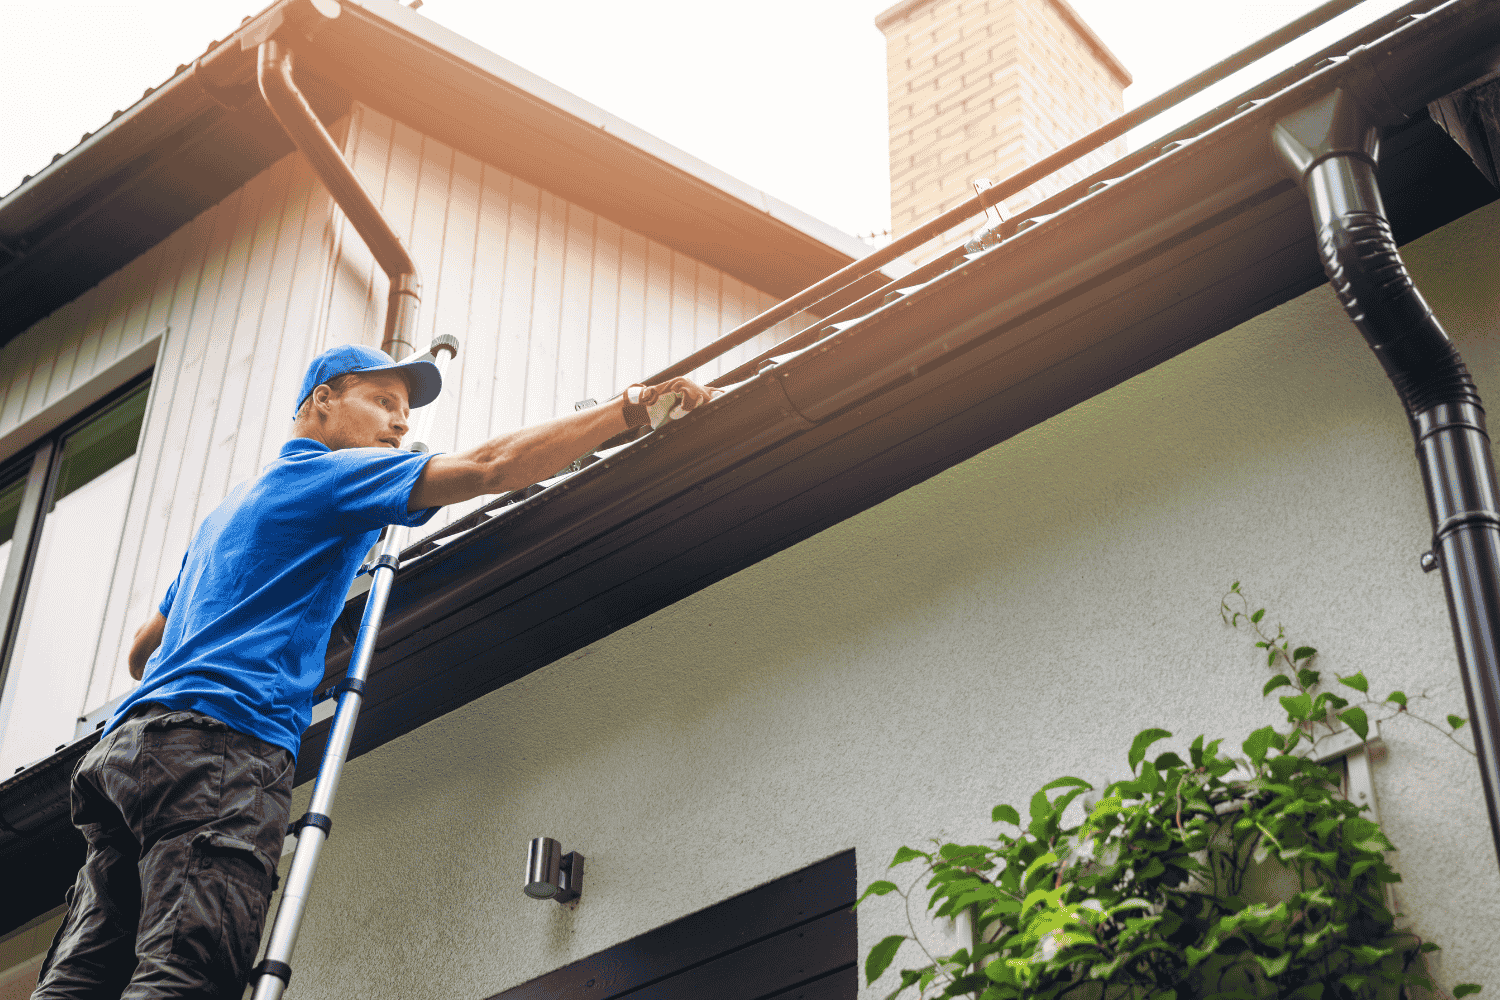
266, 575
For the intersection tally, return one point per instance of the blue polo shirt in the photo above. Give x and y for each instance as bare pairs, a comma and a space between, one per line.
249, 615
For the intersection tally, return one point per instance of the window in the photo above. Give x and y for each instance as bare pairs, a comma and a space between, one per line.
62, 512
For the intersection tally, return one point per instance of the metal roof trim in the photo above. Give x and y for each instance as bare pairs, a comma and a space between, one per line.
135, 130
480, 59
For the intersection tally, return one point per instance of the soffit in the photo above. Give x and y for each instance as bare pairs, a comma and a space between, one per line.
180, 150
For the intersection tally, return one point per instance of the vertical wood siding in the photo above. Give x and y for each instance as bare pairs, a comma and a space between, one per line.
553, 304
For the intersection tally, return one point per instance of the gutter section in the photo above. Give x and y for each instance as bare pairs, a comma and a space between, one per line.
1331, 147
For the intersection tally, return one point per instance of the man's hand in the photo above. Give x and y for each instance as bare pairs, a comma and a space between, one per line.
147, 638
677, 396
520, 458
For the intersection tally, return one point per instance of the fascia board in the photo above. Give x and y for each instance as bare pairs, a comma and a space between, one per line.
133, 133
489, 70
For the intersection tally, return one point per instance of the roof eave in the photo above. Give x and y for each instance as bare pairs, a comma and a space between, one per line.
625, 173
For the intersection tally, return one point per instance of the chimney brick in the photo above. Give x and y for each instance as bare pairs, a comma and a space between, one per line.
985, 88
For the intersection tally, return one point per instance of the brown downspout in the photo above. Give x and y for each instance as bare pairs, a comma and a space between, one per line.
292, 110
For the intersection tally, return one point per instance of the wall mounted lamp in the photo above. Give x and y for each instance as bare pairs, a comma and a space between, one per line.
551, 874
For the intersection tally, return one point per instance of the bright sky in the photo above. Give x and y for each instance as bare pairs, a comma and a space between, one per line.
787, 95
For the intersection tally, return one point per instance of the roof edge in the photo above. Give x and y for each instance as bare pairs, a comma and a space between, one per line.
1090, 38
512, 74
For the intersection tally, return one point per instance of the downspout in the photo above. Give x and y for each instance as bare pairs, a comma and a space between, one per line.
1331, 148
292, 110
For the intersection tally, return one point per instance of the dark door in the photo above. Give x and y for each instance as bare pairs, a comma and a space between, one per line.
792, 939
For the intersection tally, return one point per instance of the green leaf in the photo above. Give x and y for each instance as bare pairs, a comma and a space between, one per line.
1464, 989
876, 889
1297, 707
905, 854
1274, 967
1235, 587
1356, 681
1280, 680
1006, 814
1041, 862
1041, 807
1196, 751
1307, 677
908, 977
1066, 783
1143, 740
1399, 697
1260, 743
1271, 658
1355, 719
1169, 759
880, 957
1457, 722
1303, 652
1258, 616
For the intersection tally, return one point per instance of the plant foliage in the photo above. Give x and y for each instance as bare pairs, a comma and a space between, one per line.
1214, 877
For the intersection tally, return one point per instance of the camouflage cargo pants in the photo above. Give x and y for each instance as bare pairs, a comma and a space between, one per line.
184, 819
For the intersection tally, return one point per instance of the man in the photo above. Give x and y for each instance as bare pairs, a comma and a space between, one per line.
185, 799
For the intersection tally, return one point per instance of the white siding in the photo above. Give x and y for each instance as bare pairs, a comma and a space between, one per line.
552, 303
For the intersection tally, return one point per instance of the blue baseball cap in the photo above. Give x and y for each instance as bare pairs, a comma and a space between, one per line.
422, 375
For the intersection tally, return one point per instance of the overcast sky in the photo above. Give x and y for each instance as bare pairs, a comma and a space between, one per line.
787, 95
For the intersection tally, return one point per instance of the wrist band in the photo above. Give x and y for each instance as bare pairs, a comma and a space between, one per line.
635, 411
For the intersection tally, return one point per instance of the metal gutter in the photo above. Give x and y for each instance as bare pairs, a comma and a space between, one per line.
1332, 147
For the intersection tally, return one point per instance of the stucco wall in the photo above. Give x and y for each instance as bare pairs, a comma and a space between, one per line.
1016, 618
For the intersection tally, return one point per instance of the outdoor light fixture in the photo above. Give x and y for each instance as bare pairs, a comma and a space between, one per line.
551, 874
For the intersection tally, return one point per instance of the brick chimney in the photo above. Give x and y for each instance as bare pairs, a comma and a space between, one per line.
984, 88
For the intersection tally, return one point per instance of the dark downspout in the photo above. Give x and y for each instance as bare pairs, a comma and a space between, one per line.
1331, 147
287, 103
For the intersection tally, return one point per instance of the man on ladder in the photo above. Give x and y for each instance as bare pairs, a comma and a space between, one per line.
184, 801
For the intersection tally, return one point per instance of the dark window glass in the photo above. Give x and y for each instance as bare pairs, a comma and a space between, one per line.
101, 444
11, 493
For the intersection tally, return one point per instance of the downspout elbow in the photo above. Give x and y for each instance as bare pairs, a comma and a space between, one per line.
295, 114
1331, 148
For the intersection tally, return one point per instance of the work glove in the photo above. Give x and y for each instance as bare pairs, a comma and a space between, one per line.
671, 400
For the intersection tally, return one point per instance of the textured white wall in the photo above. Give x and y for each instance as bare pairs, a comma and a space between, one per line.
1016, 618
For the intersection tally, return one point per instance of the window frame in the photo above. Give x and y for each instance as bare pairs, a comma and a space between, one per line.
43, 456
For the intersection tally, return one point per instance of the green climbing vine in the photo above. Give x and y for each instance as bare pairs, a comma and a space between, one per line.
1216, 876
1311, 709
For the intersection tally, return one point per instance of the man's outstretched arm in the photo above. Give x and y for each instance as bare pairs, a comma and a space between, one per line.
520, 458
147, 638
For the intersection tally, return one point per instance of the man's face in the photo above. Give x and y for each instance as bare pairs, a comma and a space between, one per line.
370, 413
